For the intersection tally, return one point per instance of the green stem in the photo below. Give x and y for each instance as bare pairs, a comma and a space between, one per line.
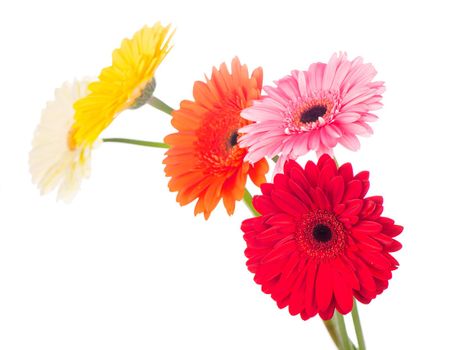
138, 142
332, 329
358, 327
158, 104
346, 344
248, 199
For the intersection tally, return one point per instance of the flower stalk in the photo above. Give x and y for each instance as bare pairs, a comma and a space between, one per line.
248, 199
138, 142
159, 104
332, 329
345, 342
358, 327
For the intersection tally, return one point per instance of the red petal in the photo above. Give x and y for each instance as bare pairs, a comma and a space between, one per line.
300, 193
366, 280
395, 246
367, 227
268, 274
346, 171
376, 213
310, 301
298, 175
289, 165
297, 299
264, 205
363, 176
270, 234
370, 245
288, 277
280, 251
353, 190
336, 190
327, 173
393, 261
288, 203
312, 173
279, 219
320, 199
377, 199
343, 294
329, 312
353, 207
393, 230
368, 208
281, 182
383, 239
266, 188
338, 209
376, 260
323, 286
324, 160
253, 224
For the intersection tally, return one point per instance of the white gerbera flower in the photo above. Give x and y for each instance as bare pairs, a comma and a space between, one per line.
54, 160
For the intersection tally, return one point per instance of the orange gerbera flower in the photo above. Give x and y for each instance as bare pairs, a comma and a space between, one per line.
204, 160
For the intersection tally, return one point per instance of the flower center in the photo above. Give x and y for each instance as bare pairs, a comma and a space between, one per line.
217, 137
233, 139
320, 235
312, 114
71, 143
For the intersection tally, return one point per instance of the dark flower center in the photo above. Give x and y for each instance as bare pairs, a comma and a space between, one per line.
233, 139
322, 233
312, 114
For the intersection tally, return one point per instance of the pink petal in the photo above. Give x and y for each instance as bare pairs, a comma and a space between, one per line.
301, 146
277, 94
349, 141
259, 113
301, 82
289, 86
347, 117
329, 72
314, 140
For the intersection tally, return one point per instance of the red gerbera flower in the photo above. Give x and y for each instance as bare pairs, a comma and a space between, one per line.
319, 242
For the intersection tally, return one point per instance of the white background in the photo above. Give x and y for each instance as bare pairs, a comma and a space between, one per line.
123, 266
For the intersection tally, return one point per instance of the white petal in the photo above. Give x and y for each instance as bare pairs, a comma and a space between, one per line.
52, 163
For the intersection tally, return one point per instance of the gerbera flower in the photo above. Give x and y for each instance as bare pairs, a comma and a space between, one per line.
128, 83
313, 110
53, 160
319, 242
204, 160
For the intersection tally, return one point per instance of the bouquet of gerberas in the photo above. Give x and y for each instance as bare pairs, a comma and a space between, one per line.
317, 242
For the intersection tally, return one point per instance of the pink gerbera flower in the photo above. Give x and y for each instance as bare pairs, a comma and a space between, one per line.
313, 110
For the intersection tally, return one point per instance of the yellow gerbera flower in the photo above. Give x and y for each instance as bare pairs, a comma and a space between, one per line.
123, 85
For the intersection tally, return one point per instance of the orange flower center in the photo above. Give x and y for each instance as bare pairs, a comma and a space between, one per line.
71, 143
